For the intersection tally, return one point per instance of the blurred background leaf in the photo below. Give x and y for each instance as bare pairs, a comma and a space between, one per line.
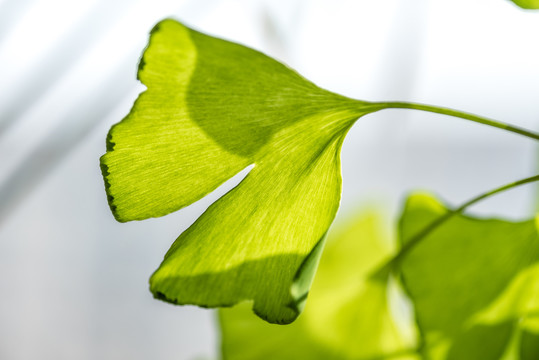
527, 4
472, 280
347, 314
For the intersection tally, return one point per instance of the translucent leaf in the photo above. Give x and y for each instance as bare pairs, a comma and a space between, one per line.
348, 314
471, 280
211, 109
527, 4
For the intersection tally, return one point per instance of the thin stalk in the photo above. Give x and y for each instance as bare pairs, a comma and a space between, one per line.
393, 262
460, 114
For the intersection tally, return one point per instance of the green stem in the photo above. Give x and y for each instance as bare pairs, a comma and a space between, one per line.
392, 263
460, 114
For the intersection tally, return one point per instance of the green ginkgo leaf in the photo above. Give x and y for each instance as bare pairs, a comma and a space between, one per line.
348, 316
472, 281
211, 109
527, 4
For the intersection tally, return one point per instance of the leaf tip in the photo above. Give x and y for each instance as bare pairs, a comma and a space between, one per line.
275, 320
426, 200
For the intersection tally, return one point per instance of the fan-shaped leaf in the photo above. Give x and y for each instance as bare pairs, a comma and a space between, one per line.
211, 109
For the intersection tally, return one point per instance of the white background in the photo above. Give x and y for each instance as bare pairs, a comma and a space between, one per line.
73, 282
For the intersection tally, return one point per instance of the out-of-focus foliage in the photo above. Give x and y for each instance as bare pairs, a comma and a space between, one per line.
348, 315
474, 283
527, 4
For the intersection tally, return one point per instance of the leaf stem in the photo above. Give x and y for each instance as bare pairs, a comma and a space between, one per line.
376, 106
393, 262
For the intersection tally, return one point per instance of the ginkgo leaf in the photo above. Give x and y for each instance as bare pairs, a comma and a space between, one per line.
471, 280
211, 109
348, 316
527, 4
